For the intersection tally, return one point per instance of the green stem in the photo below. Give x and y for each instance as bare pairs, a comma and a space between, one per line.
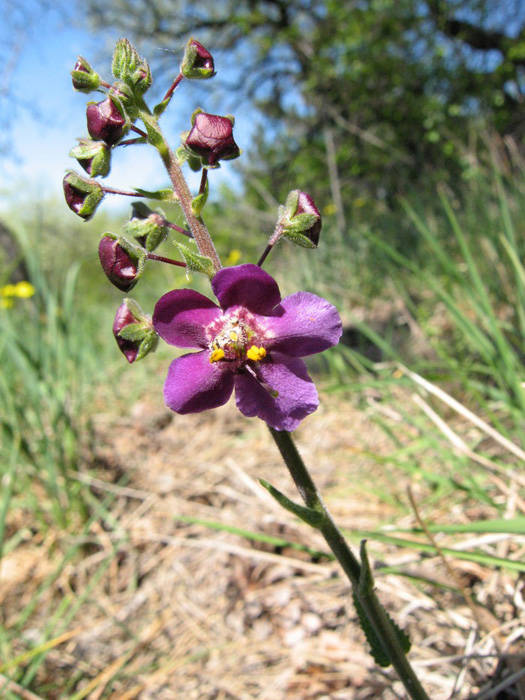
370, 603
180, 187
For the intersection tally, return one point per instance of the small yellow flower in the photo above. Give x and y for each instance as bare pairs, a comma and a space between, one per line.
24, 289
8, 290
233, 257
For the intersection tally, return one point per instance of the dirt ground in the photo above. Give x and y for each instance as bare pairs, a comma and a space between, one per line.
183, 610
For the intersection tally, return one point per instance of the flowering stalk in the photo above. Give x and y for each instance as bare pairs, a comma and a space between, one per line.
375, 613
138, 131
196, 224
251, 343
112, 190
172, 87
271, 242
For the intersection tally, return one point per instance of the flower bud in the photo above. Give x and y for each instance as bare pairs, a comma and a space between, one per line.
131, 68
211, 138
84, 78
142, 78
121, 260
148, 227
133, 331
197, 62
105, 121
93, 156
122, 94
301, 220
82, 194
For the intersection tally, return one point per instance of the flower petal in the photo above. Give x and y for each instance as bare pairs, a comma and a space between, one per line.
297, 395
246, 285
181, 316
308, 325
195, 384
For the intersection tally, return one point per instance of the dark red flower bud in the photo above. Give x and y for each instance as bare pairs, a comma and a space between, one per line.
301, 221
82, 195
93, 156
197, 62
84, 78
121, 260
146, 226
211, 137
133, 331
306, 205
104, 121
123, 318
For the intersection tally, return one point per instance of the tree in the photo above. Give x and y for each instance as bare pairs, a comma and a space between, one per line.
369, 95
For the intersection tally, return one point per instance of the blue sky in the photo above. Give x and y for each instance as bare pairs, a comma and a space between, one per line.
42, 137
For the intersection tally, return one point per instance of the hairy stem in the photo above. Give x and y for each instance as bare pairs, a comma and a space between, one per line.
180, 187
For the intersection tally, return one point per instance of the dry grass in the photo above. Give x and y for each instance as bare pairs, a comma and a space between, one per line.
183, 611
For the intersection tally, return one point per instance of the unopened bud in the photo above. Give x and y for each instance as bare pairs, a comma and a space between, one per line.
211, 138
83, 77
122, 94
82, 194
133, 331
148, 227
301, 220
121, 260
105, 121
131, 68
93, 156
197, 62
142, 78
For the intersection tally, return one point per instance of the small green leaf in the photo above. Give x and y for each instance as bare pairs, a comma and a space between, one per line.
133, 332
311, 517
160, 108
198, 203
365, 589
376, 647
166, 195
148, 344
299, 239
300, 223
155, 136
196, 262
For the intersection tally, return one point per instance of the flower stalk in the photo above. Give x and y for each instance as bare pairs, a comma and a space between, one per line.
169, 261
180, 187
373, 609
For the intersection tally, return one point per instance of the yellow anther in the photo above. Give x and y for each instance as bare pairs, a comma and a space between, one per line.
233, 336
254, 353
217, 355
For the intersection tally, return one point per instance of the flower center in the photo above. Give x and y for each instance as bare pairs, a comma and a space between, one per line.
236, 337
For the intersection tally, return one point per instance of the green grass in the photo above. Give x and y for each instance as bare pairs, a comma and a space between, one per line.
50, 356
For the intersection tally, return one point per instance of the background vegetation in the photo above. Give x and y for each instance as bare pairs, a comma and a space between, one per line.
404, 121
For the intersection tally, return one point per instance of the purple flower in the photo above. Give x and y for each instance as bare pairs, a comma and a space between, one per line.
252, 342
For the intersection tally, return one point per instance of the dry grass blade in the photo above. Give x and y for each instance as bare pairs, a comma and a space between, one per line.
466, 413
461, 446
15, 688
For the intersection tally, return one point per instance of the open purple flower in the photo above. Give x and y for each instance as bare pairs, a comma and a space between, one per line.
252, 342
